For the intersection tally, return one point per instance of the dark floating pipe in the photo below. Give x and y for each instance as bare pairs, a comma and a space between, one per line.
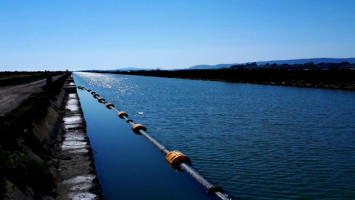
176, 159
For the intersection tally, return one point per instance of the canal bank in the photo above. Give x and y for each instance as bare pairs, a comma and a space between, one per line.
44, 150
77, 177
336, 79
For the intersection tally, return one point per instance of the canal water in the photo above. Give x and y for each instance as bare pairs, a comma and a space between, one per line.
256, 141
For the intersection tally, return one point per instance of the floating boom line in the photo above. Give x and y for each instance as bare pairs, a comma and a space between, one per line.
176, 159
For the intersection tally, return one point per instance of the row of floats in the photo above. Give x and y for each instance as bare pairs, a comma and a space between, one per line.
176, 159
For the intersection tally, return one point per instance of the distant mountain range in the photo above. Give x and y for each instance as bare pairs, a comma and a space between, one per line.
132, 69
279, 62
120, 69
220, 66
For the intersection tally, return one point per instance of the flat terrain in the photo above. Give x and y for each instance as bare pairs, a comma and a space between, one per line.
337, 78
12, 96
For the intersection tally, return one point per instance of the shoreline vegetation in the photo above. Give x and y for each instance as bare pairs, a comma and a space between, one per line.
322, 75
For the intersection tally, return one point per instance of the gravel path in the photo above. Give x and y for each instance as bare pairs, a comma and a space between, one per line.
12, 96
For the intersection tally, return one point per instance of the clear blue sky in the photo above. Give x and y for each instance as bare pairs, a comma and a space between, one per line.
88, 34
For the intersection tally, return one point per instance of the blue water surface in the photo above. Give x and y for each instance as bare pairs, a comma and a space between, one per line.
256, 141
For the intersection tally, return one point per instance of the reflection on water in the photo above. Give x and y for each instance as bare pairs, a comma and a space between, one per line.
256, 141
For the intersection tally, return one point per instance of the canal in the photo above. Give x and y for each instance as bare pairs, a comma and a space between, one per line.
256, 141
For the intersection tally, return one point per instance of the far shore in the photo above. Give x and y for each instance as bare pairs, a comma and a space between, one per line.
336, 79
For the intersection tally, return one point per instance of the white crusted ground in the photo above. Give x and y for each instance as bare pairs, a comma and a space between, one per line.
76, 170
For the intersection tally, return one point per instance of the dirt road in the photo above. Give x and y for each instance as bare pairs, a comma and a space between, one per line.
12, 96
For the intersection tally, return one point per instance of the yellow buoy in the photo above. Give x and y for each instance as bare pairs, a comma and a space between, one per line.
122, 114
175, 158
109, 105
101, 100
137, 127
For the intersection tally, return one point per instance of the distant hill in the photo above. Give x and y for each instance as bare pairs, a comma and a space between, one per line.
280, 62
314, 60
212, 66
131, 69
220, 66
126, 69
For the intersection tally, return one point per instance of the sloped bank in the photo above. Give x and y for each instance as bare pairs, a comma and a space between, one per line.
77, 177
35, 161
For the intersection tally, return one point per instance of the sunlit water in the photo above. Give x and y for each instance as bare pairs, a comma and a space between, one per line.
256, 141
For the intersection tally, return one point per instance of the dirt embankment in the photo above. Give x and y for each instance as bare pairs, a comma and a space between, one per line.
77, 178
40, 156
12, 96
